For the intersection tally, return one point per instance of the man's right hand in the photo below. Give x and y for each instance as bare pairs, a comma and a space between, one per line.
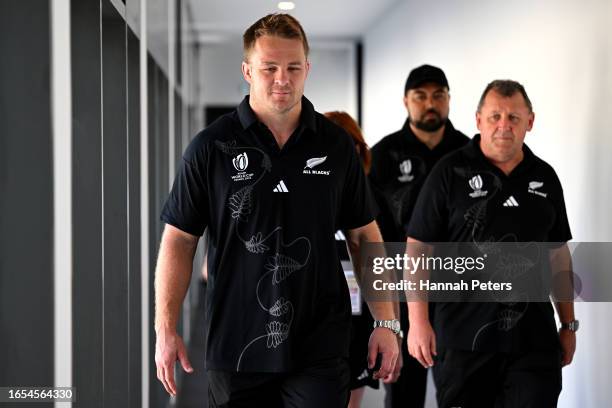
169, 347
422, 342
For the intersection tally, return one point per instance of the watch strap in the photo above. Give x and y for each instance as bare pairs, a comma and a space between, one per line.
571, 326
393, 325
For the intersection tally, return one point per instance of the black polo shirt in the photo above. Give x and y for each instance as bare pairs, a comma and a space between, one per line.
468, 199
400, 164
277, 297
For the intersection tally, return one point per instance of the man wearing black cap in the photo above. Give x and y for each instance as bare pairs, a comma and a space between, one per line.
401, 162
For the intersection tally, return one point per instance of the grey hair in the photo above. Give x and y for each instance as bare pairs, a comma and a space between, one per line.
507, 88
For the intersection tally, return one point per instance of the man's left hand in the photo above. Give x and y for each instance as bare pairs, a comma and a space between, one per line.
393, 377
568, 346
384, 342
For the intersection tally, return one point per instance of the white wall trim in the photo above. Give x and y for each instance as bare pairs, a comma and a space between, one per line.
352, 74
61, 117
171, 87
144, 207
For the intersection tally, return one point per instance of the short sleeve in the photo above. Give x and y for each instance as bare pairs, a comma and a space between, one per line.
187, 206
560, 231
429, 220
380, 169
380, 173
357, 206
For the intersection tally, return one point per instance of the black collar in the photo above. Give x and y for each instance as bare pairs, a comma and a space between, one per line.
247, 117
473, 151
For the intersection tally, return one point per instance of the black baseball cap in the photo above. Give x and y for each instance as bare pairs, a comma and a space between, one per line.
424, 74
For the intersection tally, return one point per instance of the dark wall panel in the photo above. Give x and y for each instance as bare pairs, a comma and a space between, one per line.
134, 264
106, 201
88, 364
178, 131
26, 196
178, 29
158, 192
114, 170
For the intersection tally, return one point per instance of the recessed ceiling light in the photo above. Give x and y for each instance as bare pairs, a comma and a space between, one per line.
286, 5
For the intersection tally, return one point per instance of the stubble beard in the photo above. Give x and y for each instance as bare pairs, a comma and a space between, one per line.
285, 106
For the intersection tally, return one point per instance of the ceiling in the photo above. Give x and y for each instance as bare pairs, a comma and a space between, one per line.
215, 20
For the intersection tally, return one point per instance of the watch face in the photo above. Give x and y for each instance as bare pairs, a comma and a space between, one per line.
572, 326
396, 326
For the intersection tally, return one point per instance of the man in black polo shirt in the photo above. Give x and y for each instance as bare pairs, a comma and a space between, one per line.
494, 190
272, 181
401, 162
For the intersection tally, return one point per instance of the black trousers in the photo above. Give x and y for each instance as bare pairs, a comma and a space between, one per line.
409, 390
411, 386
321, 385
469, 379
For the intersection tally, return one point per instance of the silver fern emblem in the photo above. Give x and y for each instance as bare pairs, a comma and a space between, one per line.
256, 244
512, 299
508, 318
280, 307
512, 266
535, 184
475, 216
227, 148
282, 266
315, 161
488, 247
276, 332
240, 203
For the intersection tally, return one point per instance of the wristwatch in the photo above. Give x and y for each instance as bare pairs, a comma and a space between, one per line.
571, 326
393, 325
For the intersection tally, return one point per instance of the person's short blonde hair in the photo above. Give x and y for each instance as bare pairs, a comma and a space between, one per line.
276, 24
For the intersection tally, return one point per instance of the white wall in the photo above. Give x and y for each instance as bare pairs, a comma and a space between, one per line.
330, 86
562, 52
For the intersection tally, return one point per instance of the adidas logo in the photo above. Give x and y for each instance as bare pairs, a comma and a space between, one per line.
511, 202
363, 375
281, 187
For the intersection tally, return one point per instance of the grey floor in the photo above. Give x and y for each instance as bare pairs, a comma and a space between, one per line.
375, 398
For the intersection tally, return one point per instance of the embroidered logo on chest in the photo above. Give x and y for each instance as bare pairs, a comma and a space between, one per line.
511, 202
241, 162
534, 186
314, 162
405, 168
476, 185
